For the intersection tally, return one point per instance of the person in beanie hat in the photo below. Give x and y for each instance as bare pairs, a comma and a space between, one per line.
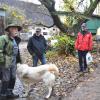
37, 46
83, 44
9, 43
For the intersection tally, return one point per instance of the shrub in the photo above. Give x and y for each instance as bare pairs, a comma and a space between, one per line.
65, 45
51, 54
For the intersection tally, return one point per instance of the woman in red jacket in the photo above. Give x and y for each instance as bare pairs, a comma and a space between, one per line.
83, 44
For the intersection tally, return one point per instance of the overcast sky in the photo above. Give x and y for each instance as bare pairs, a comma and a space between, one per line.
58, 2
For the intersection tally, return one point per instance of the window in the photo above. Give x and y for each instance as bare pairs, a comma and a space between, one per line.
54, 29
45, 33
44, 28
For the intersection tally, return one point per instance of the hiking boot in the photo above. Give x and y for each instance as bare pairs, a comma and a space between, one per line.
3, 97
79, 71
86, 70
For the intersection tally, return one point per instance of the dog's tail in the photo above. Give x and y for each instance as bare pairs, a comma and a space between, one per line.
53, 69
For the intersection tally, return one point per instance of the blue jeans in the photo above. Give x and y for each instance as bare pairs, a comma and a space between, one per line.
36, 58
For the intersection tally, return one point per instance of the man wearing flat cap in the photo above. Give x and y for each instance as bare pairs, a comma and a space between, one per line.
8, 53
37, 47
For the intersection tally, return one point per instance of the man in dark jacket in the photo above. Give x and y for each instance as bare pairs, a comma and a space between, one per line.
37, 47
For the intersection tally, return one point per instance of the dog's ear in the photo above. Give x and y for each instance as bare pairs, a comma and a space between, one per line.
53, 69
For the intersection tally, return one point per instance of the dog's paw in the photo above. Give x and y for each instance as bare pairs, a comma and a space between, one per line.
25, 95
47, 97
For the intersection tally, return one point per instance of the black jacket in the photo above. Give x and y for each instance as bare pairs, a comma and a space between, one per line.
37, 45
18, 58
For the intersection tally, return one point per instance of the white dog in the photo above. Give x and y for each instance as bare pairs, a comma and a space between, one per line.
31, 75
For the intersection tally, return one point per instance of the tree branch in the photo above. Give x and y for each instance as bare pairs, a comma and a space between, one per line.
64, 13
91, 1
88, 12
50, 5
91, 8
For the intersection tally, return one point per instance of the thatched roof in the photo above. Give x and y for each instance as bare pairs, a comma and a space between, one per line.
38, 14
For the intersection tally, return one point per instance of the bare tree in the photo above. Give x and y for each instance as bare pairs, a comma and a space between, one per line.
50, 5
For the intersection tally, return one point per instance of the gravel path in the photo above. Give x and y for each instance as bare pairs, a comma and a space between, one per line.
18, 87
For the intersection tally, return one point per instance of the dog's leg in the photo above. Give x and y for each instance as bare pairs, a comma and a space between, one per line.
24, 86
49, 82
29, 89
49, 93
26, 90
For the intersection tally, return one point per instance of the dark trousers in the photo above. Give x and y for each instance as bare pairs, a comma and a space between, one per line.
8, 79
41, 58
82, 60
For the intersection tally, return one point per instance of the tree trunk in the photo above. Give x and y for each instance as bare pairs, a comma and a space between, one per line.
58, 23
50, 5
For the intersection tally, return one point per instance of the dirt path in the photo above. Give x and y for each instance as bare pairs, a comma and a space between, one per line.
87, 90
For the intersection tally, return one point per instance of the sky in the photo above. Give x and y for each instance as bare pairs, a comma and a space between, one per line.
58, 2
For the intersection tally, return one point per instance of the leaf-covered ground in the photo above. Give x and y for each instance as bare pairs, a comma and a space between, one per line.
69, 77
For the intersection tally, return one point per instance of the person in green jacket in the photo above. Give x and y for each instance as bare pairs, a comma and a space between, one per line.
8, 54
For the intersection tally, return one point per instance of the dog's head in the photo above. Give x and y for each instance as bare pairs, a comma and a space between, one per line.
21, 65
53, 69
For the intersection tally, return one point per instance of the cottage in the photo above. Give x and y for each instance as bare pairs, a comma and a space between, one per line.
93, 24
2, 20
